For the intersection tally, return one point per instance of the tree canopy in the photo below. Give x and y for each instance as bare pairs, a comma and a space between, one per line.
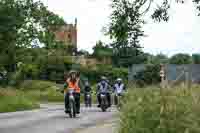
127, 21
126, 29
100, 50
25, 24
180, 59
196, 58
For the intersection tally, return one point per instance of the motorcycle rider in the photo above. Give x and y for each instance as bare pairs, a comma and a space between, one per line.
87, 89
103, 87
118, 88
72, 82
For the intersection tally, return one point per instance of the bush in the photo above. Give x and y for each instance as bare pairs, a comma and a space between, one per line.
150, 75
147, 111
16, 78
37, 85
51, 95
109, 71
42, 91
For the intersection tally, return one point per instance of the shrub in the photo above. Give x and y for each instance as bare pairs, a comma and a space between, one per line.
51, 95
42, 91
150, 75
30, 71
36, 85
109, 71
16, 78
172, 111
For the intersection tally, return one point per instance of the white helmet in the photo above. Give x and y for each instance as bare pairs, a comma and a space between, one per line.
103, 78
119, 79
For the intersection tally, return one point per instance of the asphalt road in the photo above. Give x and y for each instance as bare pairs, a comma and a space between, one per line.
52, 119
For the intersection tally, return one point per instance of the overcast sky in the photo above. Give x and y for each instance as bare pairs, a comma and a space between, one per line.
180, 34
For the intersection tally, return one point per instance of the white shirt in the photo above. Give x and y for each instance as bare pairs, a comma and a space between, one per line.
119, 88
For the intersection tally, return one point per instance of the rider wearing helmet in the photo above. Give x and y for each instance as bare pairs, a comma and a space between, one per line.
72, 82
103, 87
87, 88
119, 87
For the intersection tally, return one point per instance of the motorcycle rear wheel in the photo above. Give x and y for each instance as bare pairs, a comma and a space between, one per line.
103, 105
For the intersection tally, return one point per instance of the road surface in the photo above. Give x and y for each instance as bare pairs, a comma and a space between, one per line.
109, 126
52, 119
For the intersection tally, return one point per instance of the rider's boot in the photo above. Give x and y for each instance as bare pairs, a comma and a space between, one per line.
66, 111
99, 101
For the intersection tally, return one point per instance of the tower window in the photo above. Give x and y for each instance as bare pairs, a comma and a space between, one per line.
69, 36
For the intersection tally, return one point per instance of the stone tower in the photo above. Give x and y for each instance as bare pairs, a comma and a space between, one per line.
68, 34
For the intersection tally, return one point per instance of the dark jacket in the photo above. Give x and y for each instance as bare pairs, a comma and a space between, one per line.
87, 89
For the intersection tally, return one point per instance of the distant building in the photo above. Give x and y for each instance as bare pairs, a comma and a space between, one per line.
90, 62
67, 34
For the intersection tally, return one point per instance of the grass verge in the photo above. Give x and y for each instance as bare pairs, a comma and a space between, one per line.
149, 110
12, 100
30, 94
42, 91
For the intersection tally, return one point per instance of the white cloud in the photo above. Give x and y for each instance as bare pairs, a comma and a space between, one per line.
180, 34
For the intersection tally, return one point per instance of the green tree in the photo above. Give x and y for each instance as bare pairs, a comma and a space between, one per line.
22, 24
83, 52
101, 51
196, 58
127, 20
180, 59
157, 59
126, 29
149, 76
160, 9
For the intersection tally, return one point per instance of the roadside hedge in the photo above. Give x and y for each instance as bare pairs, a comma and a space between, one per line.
112, 73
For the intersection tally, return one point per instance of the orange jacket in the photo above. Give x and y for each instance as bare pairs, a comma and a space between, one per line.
73, 86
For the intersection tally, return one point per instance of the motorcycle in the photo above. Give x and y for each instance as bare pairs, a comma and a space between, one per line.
88, 100
117, 99
72, 104
104, 102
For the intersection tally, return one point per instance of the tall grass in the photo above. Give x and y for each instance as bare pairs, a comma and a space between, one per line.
30, 94
42, 91
149, 110
12, 100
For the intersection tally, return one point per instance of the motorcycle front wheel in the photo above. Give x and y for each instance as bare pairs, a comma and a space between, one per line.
72, 112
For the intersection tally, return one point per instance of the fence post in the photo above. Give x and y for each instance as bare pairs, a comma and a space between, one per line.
187, 77
162, 76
